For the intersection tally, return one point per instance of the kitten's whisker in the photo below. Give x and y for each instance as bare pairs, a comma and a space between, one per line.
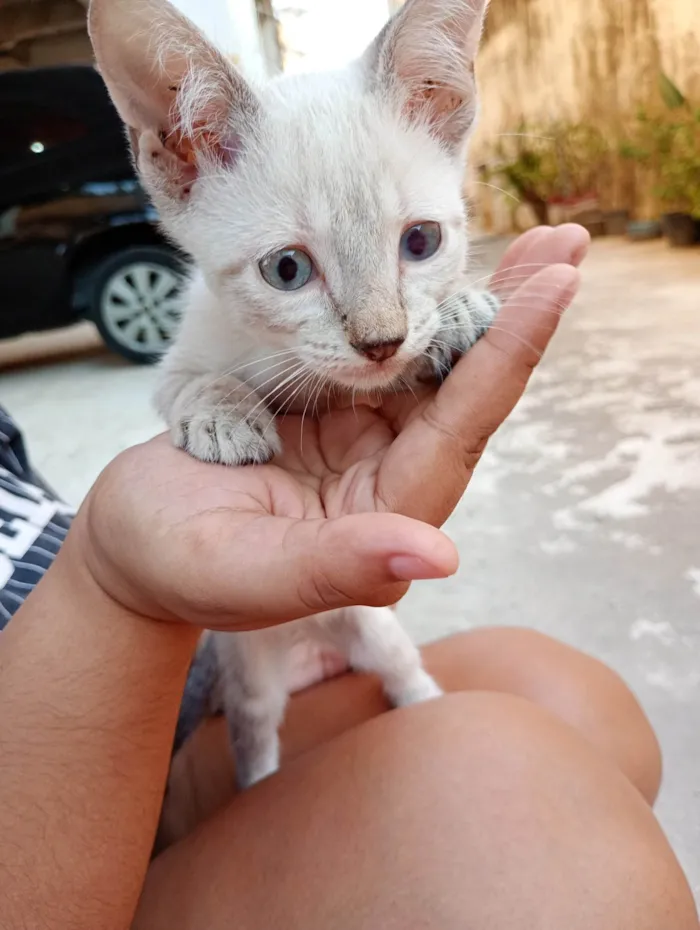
523, 135
256, 390
454, 311
291, 390
322, 386
500, 190
557, 309
544, 296
506, 274
289, 384
231, 371
319, 389
444, 367
502, 295
440, 342
314, 384
299, 377
222, 400
519, 338
406, 383
540, 328
294, 368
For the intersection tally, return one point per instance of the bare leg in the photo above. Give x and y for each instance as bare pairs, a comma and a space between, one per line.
577, 688
475, 810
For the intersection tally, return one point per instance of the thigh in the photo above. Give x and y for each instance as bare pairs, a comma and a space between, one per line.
476, 810
577, 688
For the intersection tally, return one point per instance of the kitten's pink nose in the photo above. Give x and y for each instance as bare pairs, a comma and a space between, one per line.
378, 351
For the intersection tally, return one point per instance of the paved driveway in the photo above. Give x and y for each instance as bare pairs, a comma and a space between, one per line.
583, 520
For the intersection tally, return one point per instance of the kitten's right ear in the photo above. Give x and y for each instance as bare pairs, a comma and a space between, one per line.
426, 54
183, 102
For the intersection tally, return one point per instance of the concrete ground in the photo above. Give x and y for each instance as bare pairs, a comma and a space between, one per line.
583, 518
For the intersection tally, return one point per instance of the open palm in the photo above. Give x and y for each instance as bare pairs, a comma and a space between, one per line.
348, 513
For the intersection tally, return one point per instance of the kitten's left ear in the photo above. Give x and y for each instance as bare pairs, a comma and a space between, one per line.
426, 54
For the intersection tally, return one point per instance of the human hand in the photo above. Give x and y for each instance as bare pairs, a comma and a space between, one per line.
348, 513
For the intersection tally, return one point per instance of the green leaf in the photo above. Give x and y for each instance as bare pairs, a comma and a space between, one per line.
670, 93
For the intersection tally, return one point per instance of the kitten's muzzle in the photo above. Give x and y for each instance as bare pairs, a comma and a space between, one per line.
378, 351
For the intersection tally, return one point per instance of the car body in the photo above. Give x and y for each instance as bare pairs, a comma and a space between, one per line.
78, 237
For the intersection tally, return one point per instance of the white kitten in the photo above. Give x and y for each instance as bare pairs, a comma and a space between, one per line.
326, 220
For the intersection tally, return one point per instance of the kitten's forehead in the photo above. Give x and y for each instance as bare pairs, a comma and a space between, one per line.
345, 157
333, 167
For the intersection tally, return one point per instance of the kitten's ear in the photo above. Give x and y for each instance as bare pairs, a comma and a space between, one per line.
183, 102
426, 54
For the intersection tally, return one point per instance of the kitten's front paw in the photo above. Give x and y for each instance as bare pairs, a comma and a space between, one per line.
469, 319
213, 433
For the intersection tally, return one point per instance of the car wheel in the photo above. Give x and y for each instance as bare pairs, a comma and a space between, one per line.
133, 299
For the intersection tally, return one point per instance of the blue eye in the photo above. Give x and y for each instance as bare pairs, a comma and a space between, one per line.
420, 241
287, 270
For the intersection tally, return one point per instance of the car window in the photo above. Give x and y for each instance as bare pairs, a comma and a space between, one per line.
29, 129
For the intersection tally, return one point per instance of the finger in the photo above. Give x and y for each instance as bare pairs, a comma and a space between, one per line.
530, 253
518, 247
429, 465
312, 566
567, 244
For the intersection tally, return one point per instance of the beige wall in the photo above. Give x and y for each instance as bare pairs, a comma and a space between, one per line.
582, 57
596, 60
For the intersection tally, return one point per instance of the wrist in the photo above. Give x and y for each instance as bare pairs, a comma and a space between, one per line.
98, 601
105, 553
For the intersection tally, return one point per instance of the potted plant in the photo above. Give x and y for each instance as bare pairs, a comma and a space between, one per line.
525, 163
667, 146
555, 170
679, 187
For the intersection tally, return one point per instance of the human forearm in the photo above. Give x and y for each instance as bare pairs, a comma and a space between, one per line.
89, 695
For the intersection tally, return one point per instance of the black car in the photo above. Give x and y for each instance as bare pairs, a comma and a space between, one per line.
78, 237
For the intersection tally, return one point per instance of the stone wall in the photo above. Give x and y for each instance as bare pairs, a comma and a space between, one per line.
590, 60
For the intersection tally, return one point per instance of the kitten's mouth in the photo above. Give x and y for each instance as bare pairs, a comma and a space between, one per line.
371, 377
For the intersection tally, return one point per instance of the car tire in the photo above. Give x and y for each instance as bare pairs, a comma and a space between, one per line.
133, 300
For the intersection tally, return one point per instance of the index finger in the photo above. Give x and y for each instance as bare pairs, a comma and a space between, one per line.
535, 250
429, 465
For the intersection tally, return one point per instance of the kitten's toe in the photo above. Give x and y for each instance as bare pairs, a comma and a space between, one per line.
226, 437
441, 360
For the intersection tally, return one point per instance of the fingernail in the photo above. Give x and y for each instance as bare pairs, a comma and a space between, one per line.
412, 568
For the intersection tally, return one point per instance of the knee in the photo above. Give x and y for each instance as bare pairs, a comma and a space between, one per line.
514, 798
577, 688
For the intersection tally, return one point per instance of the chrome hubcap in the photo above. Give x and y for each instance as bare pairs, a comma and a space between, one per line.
141, 306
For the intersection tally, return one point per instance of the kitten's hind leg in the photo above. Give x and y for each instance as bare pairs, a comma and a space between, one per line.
253, 691
374, 641
255, 740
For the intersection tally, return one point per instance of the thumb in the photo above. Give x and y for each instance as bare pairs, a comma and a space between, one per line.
275, 569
